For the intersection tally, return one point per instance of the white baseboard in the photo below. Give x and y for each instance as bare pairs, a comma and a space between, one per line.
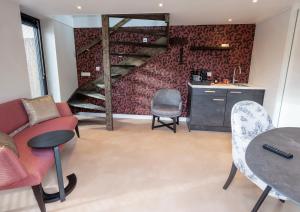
126, 116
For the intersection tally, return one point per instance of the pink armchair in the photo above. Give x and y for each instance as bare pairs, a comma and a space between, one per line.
32, 165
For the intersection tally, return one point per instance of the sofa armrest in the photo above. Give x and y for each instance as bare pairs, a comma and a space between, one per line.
10, 168
64, 109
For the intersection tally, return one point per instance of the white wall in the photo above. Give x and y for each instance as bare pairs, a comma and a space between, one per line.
269, 61
14, 81
290, 109
65, 50
59, 48
49, 46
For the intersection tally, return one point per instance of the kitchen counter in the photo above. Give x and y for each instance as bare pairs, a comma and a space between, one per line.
227, 86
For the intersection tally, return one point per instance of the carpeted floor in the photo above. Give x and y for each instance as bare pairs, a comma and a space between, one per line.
135, 169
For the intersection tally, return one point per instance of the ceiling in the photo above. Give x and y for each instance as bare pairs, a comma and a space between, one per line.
183, 12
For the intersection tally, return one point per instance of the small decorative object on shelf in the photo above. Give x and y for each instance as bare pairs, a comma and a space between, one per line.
226, 81
225, 45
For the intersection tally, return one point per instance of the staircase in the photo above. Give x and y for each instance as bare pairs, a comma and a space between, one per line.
92, 90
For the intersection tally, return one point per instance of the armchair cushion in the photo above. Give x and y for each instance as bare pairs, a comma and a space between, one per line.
11, 169
40, 109
13, 116
64, 109
7, 142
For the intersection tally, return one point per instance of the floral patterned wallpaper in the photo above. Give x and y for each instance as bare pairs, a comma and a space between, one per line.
132, 94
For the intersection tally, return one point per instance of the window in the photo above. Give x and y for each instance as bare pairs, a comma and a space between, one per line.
34, 55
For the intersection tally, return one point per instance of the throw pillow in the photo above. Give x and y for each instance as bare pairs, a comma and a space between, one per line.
40, 109
8, 142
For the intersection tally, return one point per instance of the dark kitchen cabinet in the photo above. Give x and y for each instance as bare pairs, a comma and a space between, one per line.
236, 95
210, 109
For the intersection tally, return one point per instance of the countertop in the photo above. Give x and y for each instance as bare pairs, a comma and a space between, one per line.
228, 86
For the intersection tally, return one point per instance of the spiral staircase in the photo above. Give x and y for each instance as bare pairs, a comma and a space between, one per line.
100, 88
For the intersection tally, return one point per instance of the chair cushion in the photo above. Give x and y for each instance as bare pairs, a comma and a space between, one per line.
40, 109
11, 169
38, 162
13, 116
7, 142
163, 110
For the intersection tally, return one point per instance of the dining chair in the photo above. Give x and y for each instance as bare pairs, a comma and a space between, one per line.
248, 120
166, 103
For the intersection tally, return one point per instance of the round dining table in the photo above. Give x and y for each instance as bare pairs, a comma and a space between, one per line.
277, 172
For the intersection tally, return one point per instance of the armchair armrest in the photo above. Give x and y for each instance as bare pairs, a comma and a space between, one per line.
10, 168
64, 109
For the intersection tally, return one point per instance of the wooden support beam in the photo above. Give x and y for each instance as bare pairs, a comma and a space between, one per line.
119, 24
149, 45
153, 32
90, 45
107, 74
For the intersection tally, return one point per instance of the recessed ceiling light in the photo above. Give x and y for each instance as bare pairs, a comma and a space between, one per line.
79, 7
160, 4
230, 19
254, 1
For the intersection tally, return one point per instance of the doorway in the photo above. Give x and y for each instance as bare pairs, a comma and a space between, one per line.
34, 55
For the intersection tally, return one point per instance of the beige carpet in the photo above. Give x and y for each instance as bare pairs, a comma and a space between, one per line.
135, 169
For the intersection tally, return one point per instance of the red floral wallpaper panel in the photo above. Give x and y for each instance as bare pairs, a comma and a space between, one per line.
132, 94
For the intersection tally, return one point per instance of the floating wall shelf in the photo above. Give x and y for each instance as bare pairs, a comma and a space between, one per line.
209, 48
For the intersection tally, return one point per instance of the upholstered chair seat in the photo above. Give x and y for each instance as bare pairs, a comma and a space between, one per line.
166, 111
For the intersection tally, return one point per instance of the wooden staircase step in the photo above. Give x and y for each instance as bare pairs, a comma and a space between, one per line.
123, 65
154, 32
84, 105
135, 55
149, 45
92, 94
99, 83
118, 72
84, 117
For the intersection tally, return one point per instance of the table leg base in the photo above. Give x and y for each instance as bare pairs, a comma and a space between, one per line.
48, 198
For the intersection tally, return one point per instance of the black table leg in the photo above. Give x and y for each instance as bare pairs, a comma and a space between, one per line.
261, 199
60, 179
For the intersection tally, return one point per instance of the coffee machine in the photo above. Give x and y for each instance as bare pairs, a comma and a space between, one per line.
201, 77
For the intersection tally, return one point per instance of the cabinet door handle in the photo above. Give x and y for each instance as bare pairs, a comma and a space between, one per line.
210, 91
238, 92
219, 100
